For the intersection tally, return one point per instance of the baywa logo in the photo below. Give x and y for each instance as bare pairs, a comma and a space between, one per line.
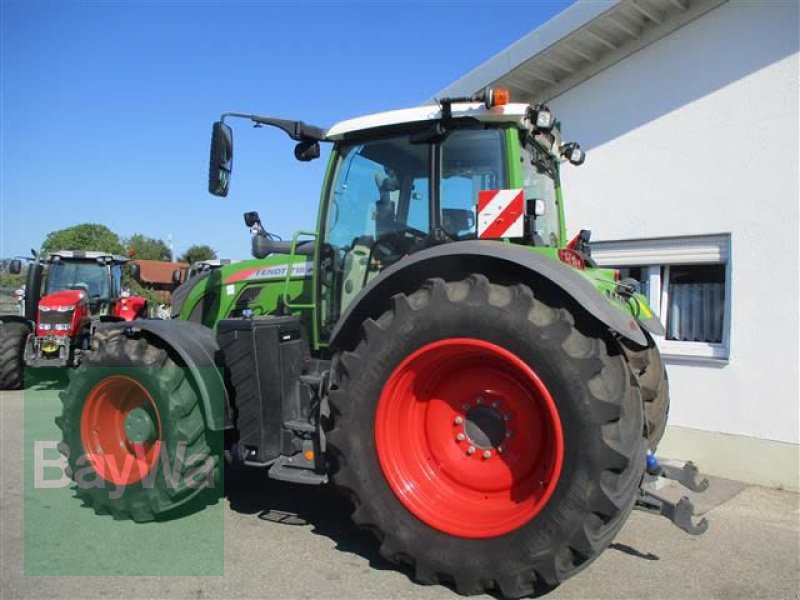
145, 468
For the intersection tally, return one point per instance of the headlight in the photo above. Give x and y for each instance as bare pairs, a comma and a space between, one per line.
45, 326
64, 308
541, 117
573, 153
62, 326
44, 308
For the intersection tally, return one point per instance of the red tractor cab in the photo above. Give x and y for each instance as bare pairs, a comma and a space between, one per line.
81, 289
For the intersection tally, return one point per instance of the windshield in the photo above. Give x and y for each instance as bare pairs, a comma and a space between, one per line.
540, 184
89, 276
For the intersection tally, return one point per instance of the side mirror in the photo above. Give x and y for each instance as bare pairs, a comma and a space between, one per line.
221, 159
15, 266
251, 219
136, 270
177, 276
306, 151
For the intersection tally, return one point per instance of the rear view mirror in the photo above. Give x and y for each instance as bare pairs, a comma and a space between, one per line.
306, 151
135, 271
221, 159
15, 266
177, 276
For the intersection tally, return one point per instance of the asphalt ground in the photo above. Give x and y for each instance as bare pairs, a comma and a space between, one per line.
272, 540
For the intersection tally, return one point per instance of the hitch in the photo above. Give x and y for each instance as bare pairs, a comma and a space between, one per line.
681, 512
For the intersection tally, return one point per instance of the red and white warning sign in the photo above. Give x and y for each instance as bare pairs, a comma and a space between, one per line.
501, 214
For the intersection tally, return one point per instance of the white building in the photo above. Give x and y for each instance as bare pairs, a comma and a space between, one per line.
689, 112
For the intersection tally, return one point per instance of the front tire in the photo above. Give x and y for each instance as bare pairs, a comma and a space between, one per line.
422, 411
134, 432
13, 336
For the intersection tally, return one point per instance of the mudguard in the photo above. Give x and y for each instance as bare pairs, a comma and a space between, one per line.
197, 348
494, 259
16, 319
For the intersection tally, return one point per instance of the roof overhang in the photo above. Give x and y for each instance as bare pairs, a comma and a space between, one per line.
576, 44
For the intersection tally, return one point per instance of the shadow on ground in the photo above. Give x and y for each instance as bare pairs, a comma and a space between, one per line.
46, 378
251, 492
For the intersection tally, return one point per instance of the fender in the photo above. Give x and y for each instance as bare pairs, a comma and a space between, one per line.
16, 319
197, 348
493, 259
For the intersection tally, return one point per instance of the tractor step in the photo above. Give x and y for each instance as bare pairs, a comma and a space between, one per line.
681, 513
289, 468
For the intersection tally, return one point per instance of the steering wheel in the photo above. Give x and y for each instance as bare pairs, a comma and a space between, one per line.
394, 245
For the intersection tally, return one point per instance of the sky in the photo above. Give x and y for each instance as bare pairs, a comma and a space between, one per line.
106, 107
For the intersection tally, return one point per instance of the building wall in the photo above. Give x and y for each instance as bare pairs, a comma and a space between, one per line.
698, 134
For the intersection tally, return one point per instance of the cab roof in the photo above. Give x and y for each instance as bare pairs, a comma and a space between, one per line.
88, 255
508, 113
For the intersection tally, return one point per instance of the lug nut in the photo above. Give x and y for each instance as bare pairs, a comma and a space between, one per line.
487, 454
495, 404
479, 399
460, 437
465, 406
506, 417
509, 433
500, 449
471, 450
458, 420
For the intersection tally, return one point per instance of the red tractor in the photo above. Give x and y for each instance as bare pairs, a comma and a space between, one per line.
80, 290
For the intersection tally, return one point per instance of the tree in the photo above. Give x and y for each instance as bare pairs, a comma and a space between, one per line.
142, 247
198, 252
87, 236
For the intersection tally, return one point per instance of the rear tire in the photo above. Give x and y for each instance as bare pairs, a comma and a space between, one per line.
654, 383
13, 336
476, 544
119, 376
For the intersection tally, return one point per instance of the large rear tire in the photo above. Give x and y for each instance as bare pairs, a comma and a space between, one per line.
654, 384
13, 336
491, 440
128, 410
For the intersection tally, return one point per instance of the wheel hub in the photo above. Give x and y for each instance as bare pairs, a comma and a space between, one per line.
139, 426
484, 427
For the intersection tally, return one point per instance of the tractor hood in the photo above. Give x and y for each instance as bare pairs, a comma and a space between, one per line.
63, 299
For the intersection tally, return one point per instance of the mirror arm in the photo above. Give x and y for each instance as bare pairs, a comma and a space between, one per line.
297, 130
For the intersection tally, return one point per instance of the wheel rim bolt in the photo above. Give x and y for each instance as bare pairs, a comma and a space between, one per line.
509, 433
495, 404
500, 449
506, 417
471, 450
479, 399
460, 437
459, 420
487, 454
465, 406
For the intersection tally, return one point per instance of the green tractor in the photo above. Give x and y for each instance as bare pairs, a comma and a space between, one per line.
488, 398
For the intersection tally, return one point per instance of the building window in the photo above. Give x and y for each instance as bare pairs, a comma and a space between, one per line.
687, 282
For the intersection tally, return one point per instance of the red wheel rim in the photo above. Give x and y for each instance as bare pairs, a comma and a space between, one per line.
111, 453
469, 438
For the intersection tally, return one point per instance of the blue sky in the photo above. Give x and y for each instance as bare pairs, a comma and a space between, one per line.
107, 106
